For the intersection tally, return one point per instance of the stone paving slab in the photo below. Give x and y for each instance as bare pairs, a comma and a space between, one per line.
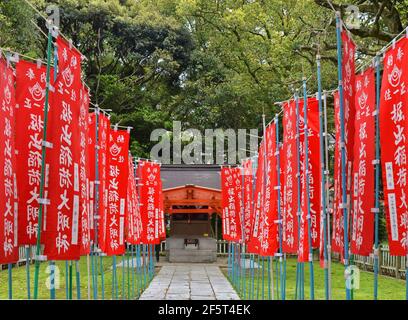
190, 282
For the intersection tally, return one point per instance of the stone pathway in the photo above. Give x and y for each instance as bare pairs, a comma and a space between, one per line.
190, 282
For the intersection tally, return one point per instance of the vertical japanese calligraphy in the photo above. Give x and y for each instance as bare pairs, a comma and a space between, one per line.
236, 220
393, 128
30, 99
348, 71
338, 222
290, 187
101, 183
84, 199
117, 191
134, 223
311, 171
268, 225
91, 173
8, 185
149, 176
253, 243
247, 198
62, 241
362, 234
228, 201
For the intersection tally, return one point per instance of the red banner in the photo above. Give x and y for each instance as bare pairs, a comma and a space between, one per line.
289, 183
30, 99
393, 119
8, 187
230, 179
264, 238
269, 227
313, 178
91, 174
247, 198
117, 191
134, 223
348, 72
338, 221
236, 222
63, 220
162, 225
363, 169
149, 176
101, 183
253, 244
84, 199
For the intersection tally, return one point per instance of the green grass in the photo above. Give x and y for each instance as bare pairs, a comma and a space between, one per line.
19, 278
388, 288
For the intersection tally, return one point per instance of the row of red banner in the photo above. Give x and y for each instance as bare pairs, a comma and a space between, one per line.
92, 195
250, 196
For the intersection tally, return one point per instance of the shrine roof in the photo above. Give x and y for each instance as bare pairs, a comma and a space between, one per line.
207, 176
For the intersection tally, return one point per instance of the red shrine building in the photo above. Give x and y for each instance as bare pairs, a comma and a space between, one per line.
192, 211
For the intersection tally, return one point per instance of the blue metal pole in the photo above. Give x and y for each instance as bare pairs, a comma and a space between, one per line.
113, 277
284, 277
278, 169
52, 263
27, 252
299, 274
96, 213
139, 279
133, 270
102, 277
252, 283
277, 279
126, 257
269, 279
297, 287
302, 281
151, 262
242, 260
10, 281
144, 266
123, 277
323, 181
70, 280
229, 260
377, 177
257, 279
343, 151
78, 280
43, 154
326, 161
66, 280
232, 263
306, 172
94, 279
263, 278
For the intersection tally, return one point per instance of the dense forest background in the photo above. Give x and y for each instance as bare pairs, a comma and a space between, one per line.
207, 63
